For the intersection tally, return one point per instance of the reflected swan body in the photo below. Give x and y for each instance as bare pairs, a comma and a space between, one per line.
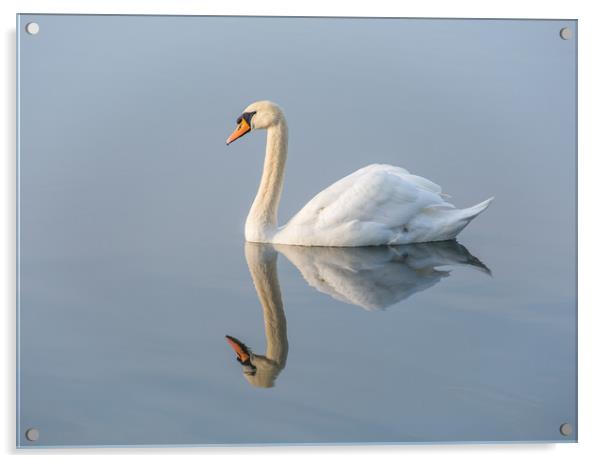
370, 277
377, 277
376, 205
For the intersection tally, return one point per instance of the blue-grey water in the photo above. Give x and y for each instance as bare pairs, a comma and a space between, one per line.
133, 265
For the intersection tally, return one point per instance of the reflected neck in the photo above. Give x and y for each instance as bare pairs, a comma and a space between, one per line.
261, 260
262, 220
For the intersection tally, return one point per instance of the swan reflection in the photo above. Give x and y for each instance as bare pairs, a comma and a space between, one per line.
377, 277
370, 277
262, 370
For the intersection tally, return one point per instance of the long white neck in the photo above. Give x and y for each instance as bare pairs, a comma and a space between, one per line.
262, 220
261, 259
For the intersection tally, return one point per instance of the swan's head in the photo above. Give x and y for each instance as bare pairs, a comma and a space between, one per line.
258, 370
258, 115
243, 353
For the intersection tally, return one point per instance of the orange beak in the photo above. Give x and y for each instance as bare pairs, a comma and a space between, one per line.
242, 352
242, 128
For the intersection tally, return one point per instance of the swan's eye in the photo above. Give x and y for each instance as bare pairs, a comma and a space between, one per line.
247, 117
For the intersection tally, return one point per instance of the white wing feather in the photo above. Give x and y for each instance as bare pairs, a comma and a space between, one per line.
378, 204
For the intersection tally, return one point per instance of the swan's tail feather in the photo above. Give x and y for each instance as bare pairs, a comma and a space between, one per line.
460, 218
442, 222
471, 212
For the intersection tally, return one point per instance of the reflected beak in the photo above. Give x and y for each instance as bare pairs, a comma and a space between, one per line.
242, 128
243, 355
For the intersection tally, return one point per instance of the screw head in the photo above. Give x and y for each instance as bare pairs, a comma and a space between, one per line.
32, 28
566, 33
566, 429
32, 434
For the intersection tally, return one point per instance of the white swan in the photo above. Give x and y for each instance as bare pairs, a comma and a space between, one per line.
378, 204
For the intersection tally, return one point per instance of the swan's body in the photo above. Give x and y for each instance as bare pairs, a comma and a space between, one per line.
378, 204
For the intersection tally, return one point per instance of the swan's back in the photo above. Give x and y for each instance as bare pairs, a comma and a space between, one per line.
378, 204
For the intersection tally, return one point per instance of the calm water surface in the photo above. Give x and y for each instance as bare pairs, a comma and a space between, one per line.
133, 266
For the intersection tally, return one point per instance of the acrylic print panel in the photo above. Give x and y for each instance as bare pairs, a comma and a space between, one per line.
133, 263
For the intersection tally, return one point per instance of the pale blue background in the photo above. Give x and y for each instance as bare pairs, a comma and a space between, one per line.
132, 211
